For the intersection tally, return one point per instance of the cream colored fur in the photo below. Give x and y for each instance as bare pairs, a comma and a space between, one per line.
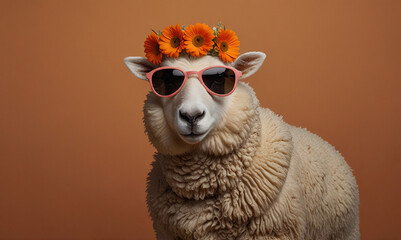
252, 177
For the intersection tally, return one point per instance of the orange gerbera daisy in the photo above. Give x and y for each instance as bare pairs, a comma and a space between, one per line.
227, 45
152, 50
198, 39
171, 41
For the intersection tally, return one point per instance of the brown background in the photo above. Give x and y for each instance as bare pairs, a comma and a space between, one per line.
74, 156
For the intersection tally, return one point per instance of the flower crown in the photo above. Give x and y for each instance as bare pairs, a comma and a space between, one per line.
197, 40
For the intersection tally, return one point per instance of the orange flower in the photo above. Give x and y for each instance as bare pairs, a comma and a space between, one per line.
152, 50
198, 39
171, 41
227, 45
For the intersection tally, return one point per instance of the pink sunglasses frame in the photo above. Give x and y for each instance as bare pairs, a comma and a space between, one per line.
237, 73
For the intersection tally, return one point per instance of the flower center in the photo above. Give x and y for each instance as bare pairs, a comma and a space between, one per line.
157, 49
223, 46
198, 41
175, 42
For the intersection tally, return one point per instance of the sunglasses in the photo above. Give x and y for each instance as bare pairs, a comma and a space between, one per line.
218, 80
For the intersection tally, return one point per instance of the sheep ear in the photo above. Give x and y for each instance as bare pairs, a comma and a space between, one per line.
248, 63
139, 66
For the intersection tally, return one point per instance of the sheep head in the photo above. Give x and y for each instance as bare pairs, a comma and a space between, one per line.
189, 119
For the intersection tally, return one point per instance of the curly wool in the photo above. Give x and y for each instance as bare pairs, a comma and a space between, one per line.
253, 177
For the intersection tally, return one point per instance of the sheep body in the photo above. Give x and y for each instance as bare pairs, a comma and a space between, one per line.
253, 177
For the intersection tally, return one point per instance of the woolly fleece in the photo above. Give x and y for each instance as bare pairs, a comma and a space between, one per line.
252, 177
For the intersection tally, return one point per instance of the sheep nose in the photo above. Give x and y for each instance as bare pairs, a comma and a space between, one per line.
192, 118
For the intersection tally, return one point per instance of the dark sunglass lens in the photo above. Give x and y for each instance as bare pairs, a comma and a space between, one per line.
167, 81
219, 80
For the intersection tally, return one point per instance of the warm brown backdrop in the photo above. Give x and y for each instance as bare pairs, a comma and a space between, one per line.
73, 153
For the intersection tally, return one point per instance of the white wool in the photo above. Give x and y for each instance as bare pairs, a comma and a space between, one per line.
252, 177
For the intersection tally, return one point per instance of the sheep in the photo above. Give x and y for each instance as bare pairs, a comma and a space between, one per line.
248, 174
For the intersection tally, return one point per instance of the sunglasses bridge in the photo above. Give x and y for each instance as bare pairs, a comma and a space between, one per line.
197, 74
189, 73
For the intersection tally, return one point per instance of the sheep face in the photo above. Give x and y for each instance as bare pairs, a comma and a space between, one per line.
193, 112
176, 123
